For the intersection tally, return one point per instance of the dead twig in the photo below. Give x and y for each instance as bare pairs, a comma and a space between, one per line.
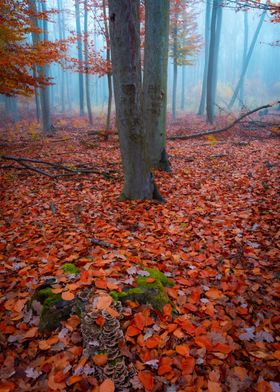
101, 243
213, 131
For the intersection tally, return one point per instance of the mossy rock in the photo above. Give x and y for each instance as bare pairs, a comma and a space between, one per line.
69, 268
54, 309
153, 293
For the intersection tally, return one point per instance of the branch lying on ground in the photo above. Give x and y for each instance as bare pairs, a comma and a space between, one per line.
213, 131
57, 166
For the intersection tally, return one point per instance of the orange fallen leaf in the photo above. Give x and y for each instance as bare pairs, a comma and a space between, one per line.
112, 312
153, 342
100, 283
150, 280
146, 379
44, 345
140, 320
67, 296
183, 349
167, 310
214, 294
240, 372
107, 386
73, 380
188, 365
104, 302
100, 359
31, 333
132, 331
214, 386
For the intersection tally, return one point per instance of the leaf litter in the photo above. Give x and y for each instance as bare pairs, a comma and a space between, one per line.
216, 238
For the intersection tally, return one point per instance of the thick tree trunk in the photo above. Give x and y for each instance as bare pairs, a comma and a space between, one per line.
155, 80
108, 58
86, 60
80, 57
245, 49
126, 63
206, 58
247, 61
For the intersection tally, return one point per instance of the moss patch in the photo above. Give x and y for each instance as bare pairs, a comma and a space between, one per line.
153, 293
69, 268
54, 308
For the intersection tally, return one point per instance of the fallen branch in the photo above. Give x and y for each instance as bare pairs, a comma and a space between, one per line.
70, 172
213, 131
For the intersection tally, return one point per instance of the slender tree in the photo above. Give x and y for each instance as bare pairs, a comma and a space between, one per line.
155, 80
245, 50
247, 61
206, 57
80, 56
108, 59
216, 20
86, 62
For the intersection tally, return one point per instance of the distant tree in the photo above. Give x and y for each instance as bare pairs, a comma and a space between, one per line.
80, 55
185, 42
246, 60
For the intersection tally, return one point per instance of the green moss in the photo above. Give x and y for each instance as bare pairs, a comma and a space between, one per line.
153, 293
160, 279
70, 269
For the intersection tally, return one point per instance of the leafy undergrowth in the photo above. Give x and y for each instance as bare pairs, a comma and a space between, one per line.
216, 238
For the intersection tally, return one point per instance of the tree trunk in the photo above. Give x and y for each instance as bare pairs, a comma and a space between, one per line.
155, 80
62, 74
86, 61
206, 57
211, 63
182, 106
80, 57
126, 63
247, 61
45, 91
245, 49
217, 49
175, 68
108, 58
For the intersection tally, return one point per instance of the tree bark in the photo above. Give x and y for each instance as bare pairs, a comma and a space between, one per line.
80, 57
245, 49
86, 60
212, 64
125, 46
175, 67
155, 80
108, 58
206, 57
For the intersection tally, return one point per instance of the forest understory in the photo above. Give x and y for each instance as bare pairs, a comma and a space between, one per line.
216, 238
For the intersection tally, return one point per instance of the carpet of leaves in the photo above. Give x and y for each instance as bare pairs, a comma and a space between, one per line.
216, 237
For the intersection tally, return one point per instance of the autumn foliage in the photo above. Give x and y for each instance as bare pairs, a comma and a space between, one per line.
17, 55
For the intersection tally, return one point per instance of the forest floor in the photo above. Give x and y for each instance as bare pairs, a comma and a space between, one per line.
217, 238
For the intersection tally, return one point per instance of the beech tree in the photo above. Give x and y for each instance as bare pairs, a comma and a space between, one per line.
126, 62
155, 80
